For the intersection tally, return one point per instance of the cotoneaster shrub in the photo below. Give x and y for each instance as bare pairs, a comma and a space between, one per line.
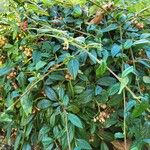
74, 75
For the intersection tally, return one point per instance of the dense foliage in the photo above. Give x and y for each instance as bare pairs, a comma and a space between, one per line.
73, 80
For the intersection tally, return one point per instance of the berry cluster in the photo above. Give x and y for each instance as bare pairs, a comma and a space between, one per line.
2, 58
3, 41
12, 75
104, 114
15, 86
138, 24
27, 50
66, 45
108, 6
68, 76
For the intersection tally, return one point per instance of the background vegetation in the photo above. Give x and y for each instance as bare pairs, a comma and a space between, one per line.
75, 75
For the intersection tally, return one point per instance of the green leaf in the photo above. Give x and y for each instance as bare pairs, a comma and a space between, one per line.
29, 129
50, 93
115, 50
44, 103
110, 122
98, 90
124, 82
47, 141
77, 148
21, 79
135, 148
77, 11
80, 39
45, 129
40, 65
61, 92
142, 41
52, 120
101, 69
83, 144
130, 105
145, 35
78, 89
119, 135
106, 81
17, 141
73, 67
145, 63
5, 117
26, 103
128, 44
146, 141
65, 100
127, 71
107, 136
114, 89
75, 120
139, 109
93, 56
146, 79
104, 146
26, 146
110, 28
4, 71
73, 108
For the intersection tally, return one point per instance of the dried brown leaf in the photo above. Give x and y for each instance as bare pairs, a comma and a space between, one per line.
98, 18
120, 145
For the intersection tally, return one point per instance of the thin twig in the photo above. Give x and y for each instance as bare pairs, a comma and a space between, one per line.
68, 138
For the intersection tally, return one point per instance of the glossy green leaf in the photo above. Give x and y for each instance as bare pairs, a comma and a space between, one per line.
119, 135
114, 89
124, 82
93, 56
77, 148
52, 120
26, 146
134, 148
77, 11
65, 100
75, 120
146, 79
4, 71
110, 28
5, 117
139, 109
47, 141
40, 65
50, 93
128, 44
130, 105
98, 90
104, 146
101, 69
17, 141
44, 103
78, 89
73, 67
83, 144
116, 49
106, 81
26, 103
142, 41
73, 108
146, 140
127, 71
